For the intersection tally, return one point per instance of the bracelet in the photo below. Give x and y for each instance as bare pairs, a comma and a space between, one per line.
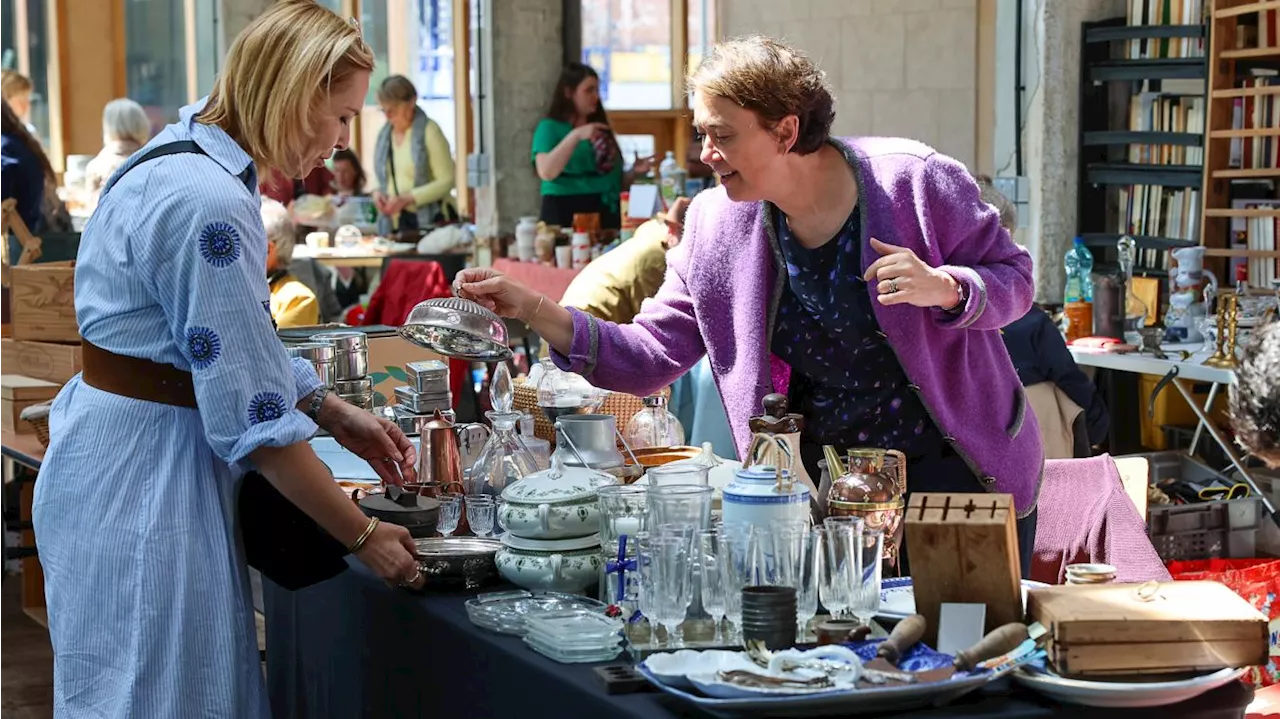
355, 547
535, 310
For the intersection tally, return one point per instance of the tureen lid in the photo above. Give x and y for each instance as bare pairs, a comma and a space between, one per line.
557, 484
458, 328
551, 545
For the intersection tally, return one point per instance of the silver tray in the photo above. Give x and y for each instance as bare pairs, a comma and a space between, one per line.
453, 561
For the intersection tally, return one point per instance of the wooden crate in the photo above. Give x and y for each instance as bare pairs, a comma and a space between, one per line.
17, 393
43, 302
1105, 630
49, 361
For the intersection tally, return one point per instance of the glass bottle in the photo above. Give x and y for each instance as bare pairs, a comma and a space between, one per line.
1135, 310
562, 393
504, 458
654, 426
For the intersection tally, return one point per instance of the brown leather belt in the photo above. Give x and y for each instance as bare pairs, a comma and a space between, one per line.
136, 378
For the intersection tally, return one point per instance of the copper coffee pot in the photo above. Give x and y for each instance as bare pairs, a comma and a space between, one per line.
439, 451
870, 490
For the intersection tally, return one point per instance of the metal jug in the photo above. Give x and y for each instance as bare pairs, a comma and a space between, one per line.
440, 448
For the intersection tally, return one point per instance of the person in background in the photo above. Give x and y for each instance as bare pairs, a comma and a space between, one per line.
348, 174
26, 171
293, 304
577, 156
412, 163
1039, 354
125, 129
284, 189
1255, 395
16, 89
613, 285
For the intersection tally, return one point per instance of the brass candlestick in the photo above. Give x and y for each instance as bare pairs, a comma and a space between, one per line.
1224, 356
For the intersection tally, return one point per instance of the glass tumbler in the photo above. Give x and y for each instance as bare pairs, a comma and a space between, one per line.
677, 473
686, 504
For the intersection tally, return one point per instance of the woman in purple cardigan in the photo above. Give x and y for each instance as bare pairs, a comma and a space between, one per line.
865, 278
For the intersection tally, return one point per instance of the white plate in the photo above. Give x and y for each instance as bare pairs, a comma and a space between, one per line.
898, 599
1126, 695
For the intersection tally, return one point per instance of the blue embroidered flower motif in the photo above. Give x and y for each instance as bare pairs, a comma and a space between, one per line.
219, 244
265, 407
204, 346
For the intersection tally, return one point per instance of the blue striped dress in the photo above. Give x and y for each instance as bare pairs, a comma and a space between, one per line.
135, 508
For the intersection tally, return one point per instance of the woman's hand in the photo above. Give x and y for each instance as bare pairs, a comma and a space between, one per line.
590, 130
496, 292
389, 552
902, 278
380, 201
642, 165
378, 441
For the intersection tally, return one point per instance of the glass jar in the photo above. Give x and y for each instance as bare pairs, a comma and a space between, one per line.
563, 393
654, 426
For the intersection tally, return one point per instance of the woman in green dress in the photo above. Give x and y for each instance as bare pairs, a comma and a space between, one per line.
577, 156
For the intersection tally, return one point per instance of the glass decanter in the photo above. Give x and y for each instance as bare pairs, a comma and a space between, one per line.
504, 458
655, 426
1135, 310
563, 393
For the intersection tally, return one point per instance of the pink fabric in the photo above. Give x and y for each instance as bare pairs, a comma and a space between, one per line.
550, 281
1086, 516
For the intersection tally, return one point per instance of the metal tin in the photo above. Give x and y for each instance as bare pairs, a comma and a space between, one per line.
427, 370
363, 400
358, 385
320, 355
407, 420
422, 403
351, 359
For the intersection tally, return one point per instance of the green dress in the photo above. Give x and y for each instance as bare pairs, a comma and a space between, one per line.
581, 186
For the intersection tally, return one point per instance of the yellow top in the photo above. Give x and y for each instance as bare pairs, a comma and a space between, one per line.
442, 169
293, 304
614, 285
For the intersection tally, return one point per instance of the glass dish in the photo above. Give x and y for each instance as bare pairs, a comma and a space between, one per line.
573, 624
505, 612
573, 657
584, 644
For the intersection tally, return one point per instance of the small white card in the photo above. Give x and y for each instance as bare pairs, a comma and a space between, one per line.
960, 626
643, 203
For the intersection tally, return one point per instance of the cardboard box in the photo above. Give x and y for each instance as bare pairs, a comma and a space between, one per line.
43, 302
17, 393
388, 354
49, 361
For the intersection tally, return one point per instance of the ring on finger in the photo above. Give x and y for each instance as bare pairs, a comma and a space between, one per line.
417, 574
893, 285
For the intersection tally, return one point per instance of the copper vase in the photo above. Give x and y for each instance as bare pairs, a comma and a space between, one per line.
872, 487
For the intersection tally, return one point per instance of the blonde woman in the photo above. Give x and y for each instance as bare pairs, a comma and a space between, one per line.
293, 304
15, 89
125, 129
186, 386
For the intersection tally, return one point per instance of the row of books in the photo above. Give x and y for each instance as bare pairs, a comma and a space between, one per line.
1159, 211
1256, 112
1156, 112
1254, 233
1166, 12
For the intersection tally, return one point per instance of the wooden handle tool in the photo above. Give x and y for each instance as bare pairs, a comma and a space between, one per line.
1001, 640
903, 637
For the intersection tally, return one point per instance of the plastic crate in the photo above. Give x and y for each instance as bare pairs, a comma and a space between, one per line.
1222, 529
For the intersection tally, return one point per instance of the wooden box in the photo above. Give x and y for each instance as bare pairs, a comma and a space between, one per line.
41, 360
43, 302
17, 393
964, 549
1154, 628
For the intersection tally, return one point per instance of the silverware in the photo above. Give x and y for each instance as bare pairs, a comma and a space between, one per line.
744, 678
759, 654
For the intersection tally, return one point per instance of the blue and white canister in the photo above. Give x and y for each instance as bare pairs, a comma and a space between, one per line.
764, 495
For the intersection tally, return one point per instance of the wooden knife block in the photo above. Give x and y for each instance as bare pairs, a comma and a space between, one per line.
964, 549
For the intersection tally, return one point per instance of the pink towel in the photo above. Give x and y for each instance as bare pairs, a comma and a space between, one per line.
1085, 516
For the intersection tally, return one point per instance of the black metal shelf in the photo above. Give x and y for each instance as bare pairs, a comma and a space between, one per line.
1171, 68
1141, 32
1145, 242
1131, 137
1124, 173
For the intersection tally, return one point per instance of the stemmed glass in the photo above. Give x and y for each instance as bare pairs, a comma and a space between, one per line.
644, 582
450, 514
808, 577
713, 594
672, 583
737, 569
837, 574
480, 513
864, 595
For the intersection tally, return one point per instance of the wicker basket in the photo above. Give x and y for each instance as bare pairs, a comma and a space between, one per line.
620, 405
38, 416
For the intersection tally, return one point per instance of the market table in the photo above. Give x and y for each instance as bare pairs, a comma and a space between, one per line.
23, 454
353, 647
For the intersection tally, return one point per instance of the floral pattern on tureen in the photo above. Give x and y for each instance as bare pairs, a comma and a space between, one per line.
557, 484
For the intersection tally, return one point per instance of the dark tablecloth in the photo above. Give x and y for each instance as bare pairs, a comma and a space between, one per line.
352, 647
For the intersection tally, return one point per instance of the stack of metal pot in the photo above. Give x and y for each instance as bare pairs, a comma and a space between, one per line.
427, 391
349, 364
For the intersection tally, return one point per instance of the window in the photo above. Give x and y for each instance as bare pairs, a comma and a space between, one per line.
432, 71
155, 58
702, 29
208, 60
373, 23
629, 43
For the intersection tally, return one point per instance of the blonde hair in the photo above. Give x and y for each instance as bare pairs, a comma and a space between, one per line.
278, 74
996, 198
281, 231
124, 119
13, 83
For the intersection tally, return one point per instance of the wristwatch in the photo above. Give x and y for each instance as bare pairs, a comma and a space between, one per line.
317, 399
963, 291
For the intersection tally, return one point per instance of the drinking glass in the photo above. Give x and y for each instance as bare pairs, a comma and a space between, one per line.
713, 594
811, 562
686, 504
864, 602
677, 473
737, 569
450, 513
837, 574
644, 581
623, 510
672, 582
498, 504
480, 511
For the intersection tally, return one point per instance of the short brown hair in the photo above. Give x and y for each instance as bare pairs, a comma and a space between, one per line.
397, 88
13, 83
773, 80
995, 198
278, 73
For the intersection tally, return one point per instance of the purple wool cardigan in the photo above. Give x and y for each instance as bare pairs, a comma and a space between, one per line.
723, 285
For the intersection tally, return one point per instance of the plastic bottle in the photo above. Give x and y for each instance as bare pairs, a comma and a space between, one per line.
1077, 296
671, 176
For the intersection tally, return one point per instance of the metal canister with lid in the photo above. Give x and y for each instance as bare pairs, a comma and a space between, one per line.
320, 355
430, 377
351, 356
358, 392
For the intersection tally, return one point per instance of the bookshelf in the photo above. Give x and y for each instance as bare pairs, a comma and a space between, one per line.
1140, 171
1242, 141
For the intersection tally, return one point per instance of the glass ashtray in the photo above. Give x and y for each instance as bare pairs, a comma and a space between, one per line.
505, 612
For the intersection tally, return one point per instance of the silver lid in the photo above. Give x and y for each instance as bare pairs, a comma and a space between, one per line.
457, 328
313, 351
345, 340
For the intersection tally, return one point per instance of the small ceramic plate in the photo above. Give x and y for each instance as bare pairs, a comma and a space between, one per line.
1123, 695
898, 599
